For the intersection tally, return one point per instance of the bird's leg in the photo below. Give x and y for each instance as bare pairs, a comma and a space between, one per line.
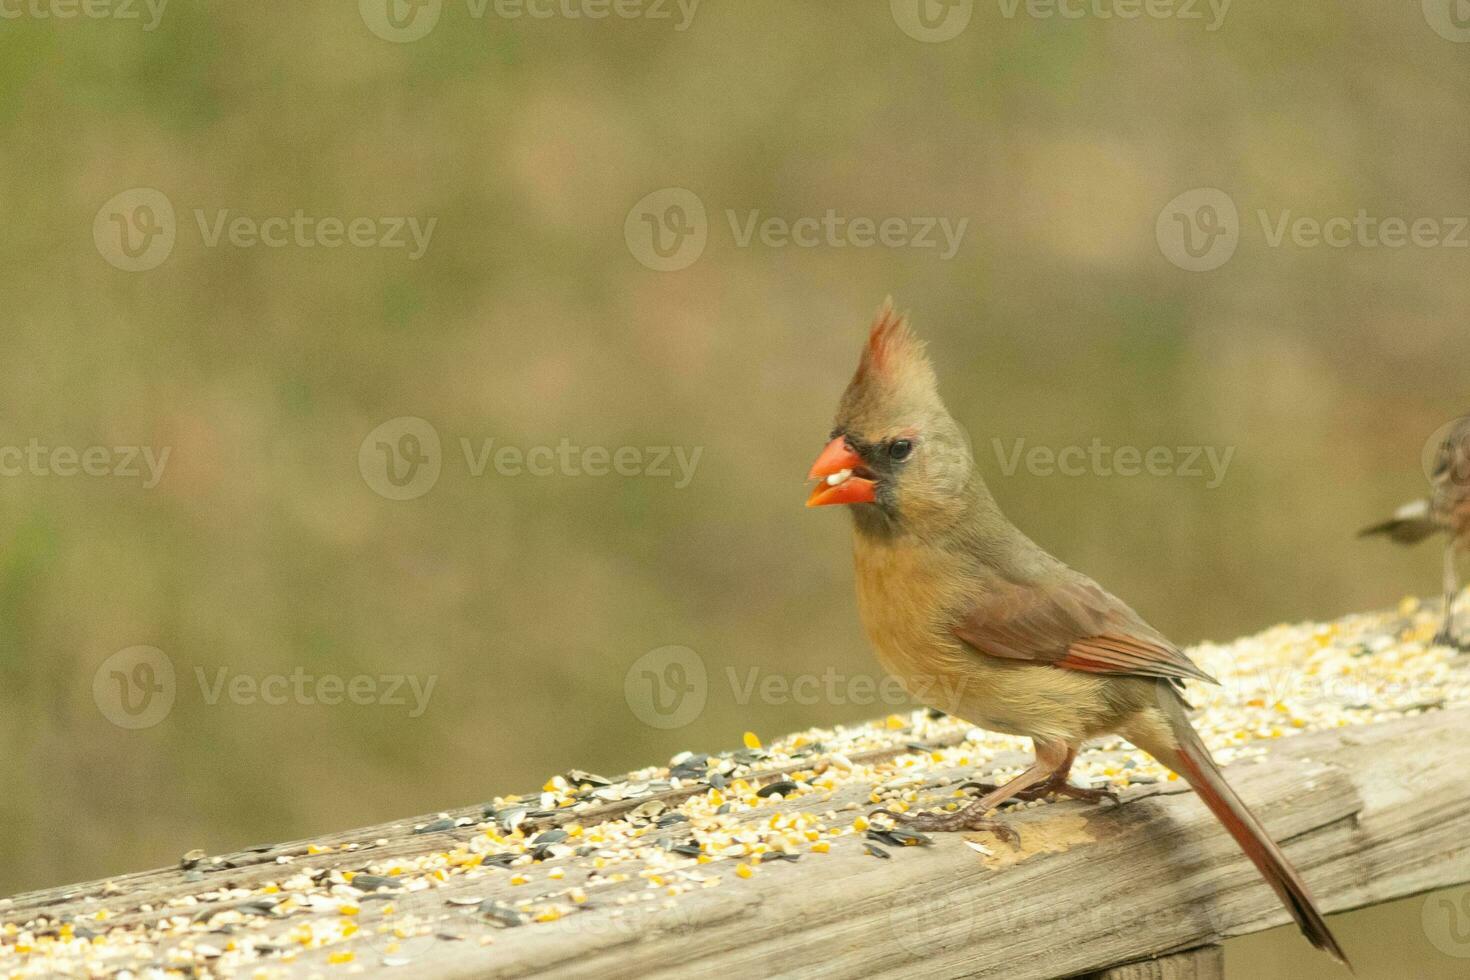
1446, 634
1056, 785
1050, 756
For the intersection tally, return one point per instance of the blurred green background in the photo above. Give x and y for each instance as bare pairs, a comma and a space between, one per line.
530, 319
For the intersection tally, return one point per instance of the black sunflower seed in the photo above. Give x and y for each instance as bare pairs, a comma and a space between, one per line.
899, 837
371, 883
784, 787
435, 827
875, 850
503, 860
501, 913
258, 906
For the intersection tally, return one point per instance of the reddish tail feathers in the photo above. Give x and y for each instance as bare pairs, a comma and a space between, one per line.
1195, 765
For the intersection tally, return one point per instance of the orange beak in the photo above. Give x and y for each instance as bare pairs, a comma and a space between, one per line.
838, 462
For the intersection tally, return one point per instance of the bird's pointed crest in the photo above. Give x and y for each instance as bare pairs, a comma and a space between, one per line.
894, 357
891, 341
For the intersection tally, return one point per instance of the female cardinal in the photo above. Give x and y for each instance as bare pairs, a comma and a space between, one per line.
951, 591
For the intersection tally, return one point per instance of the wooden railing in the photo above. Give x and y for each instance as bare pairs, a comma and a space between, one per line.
651, 879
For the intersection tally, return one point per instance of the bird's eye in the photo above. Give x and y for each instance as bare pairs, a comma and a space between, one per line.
899, 449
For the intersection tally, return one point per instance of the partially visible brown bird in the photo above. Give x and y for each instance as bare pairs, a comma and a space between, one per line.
955, 598
1446, 510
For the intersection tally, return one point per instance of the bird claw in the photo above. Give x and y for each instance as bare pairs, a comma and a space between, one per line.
1081, 793
942, 822
1035, 793
1444, 639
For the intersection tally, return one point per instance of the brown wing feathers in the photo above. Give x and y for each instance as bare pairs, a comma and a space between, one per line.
1075, 626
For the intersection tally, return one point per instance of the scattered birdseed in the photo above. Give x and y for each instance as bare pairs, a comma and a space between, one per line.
613, 846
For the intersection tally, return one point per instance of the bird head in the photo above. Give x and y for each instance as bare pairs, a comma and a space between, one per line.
894, 449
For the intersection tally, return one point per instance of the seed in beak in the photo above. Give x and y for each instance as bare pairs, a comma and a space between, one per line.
838, 477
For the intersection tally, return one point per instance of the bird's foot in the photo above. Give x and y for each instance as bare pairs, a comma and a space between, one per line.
1074, 792
1445, 639
1063, 788
967, 818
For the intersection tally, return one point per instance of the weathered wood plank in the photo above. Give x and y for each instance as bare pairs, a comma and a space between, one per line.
1205, 963
1363, 812
1370, 811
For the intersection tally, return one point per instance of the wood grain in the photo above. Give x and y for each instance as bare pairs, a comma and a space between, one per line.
1205, 963
1368, 813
